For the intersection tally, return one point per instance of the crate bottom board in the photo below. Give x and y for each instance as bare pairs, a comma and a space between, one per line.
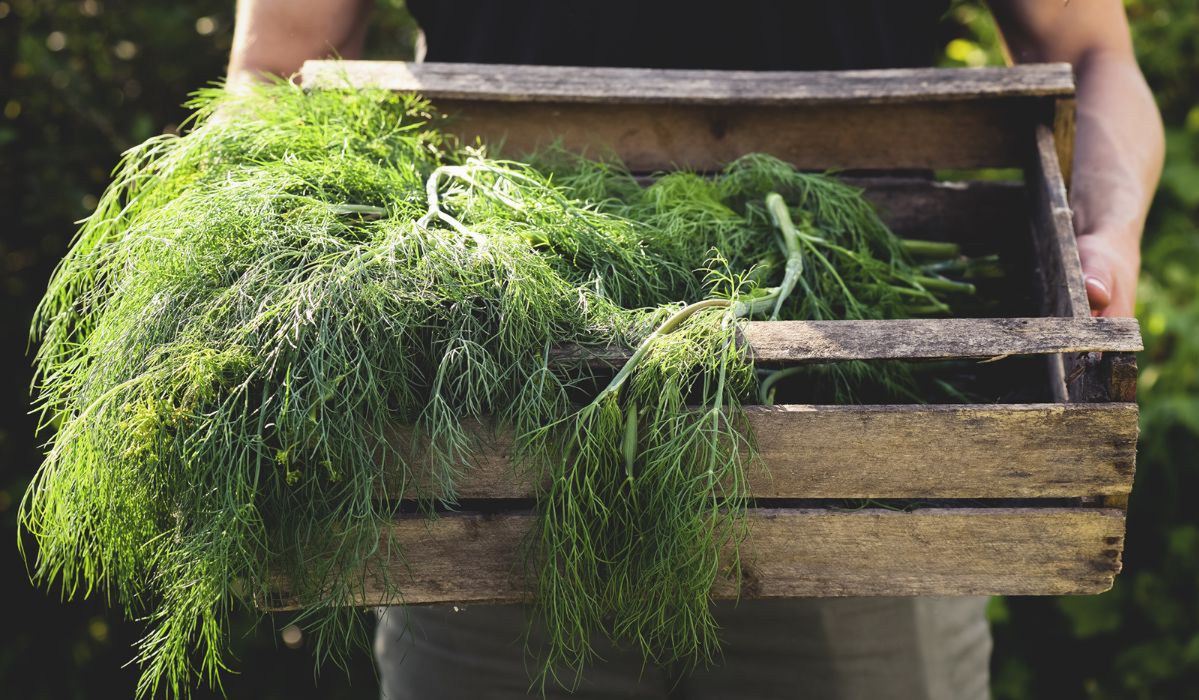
792, 553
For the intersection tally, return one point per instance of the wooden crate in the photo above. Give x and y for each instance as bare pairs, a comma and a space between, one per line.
1030, 497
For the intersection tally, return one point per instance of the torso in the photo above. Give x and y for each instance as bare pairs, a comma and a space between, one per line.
745, 35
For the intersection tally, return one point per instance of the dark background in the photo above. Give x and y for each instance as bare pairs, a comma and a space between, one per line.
82, 81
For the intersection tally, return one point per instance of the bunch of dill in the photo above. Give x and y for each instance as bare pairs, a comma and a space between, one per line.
267, 319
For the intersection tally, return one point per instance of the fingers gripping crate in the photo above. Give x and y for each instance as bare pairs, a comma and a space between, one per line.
1026, 498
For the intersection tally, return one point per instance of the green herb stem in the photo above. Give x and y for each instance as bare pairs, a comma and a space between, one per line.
930, 249
944, 285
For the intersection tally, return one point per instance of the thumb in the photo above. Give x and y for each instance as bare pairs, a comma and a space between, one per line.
1099, 290
1101, 268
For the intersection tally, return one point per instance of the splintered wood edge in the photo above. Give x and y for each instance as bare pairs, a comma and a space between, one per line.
902, 451
565, 84
472, 558
791, 342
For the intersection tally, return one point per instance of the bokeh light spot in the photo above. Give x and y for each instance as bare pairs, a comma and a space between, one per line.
292, 637
125, 49
967, 52
56, 41
98, 629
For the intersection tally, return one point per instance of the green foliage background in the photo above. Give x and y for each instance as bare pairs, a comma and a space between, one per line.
82, 80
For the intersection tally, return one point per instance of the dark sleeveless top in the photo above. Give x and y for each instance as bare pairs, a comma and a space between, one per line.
745, 35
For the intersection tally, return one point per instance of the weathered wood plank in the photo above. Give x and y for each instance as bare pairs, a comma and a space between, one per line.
1063, 287
792, 342
564, 84
667, 119
1121, 371
904, 451
1053, 230
804, 341
471, 558
1063, 136
1057, 378
933, 552
654, 137
979, 215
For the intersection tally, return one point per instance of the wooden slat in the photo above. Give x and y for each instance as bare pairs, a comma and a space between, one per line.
470, 558
818, 341
1058, 267
1063, 135
656, 137
565, 84
980, 215
1057, 378
904, 451
1053, 227
791, 342
1121, 371
661, 119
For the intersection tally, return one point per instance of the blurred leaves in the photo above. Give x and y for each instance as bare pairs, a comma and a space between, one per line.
1180, 177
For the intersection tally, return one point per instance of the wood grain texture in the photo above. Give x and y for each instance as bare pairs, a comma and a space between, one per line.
793, 342
656, 137
472, 558
669, 119
1053, 230
1063, 135
903, 451
1057, 378
562, 84
979, 215
1064, 291
1120, 368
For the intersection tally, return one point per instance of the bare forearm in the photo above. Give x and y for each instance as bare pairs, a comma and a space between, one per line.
1119, 144
275, 37
1119, 151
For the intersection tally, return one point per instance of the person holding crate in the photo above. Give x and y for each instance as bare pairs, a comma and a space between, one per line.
819, 648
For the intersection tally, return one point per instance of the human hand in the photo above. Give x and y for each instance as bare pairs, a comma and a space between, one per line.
1111, 264
1119, 143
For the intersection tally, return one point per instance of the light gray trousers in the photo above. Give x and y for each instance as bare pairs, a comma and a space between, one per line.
826, 648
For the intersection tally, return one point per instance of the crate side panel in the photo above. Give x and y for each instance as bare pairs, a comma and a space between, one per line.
905, 451
917, 451
656, 137
980, 215
1053, 229
794, 342
472, 558
1017, 551
525, 83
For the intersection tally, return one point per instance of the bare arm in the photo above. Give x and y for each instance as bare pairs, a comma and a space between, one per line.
275, 37
1119, 143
